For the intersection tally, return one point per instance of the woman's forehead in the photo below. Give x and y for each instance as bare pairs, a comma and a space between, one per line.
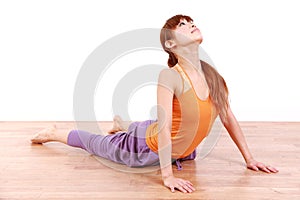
185, 20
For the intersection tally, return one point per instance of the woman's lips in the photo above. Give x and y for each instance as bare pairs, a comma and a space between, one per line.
196, 29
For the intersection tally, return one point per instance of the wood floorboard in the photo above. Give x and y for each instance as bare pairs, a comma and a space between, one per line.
57, 171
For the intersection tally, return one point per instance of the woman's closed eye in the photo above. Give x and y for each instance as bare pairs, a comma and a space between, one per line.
181, 24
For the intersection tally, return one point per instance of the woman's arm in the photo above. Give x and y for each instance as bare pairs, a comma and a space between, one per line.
235, 132
165, 92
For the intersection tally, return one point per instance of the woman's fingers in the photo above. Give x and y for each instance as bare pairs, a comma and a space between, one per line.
253, 167
187, 186
182, 189
188, 182
182, 186
260, 166
178, 187
265, 169
272, 169
179, 184
172, 189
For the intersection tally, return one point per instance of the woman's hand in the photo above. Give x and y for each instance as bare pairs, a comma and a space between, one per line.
178, 183
256, 166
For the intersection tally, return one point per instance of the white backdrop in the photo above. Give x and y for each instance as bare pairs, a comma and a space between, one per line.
43, 44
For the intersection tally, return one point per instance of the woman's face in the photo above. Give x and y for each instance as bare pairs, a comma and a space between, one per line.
187, 33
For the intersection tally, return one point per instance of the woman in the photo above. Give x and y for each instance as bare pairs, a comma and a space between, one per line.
190, 95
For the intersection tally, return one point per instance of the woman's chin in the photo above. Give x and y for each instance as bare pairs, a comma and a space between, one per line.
199, 40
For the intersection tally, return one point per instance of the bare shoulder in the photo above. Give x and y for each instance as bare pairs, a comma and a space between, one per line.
170, 79
169, 75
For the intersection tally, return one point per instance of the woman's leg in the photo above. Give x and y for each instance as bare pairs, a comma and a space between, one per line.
92, 143
124, 147
50, 134
127, 147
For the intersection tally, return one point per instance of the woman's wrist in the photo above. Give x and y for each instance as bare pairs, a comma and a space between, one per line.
166, 172
249, 159
165, 177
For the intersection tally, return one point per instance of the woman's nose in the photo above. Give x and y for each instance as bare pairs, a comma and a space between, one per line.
193, 26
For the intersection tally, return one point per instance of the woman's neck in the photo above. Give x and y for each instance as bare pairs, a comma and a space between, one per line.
190, 62
188, 58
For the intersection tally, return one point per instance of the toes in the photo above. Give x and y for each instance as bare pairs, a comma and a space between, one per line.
35, 139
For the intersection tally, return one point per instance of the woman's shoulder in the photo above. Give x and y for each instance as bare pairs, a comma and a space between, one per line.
169, 73
169, 76
171, 79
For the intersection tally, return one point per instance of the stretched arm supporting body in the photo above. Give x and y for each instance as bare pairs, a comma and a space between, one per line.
235, 132
165, 92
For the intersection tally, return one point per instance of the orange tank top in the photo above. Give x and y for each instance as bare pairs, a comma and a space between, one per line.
192, 119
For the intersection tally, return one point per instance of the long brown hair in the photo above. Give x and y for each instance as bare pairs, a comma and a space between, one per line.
216, 84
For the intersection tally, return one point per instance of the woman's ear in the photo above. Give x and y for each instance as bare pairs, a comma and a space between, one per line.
170, 44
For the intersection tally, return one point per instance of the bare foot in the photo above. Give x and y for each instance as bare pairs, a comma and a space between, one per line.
45, 135
117, 125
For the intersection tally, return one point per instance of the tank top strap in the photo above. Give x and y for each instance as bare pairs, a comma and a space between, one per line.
186, 80
183, 75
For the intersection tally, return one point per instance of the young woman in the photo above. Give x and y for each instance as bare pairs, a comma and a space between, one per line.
190, 95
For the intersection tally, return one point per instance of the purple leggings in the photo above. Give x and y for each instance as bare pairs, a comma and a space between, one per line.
127, 148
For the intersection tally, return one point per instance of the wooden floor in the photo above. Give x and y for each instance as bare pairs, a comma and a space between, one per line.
57, 171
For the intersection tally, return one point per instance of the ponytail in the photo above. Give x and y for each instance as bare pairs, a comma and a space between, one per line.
172, 59
218, 89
